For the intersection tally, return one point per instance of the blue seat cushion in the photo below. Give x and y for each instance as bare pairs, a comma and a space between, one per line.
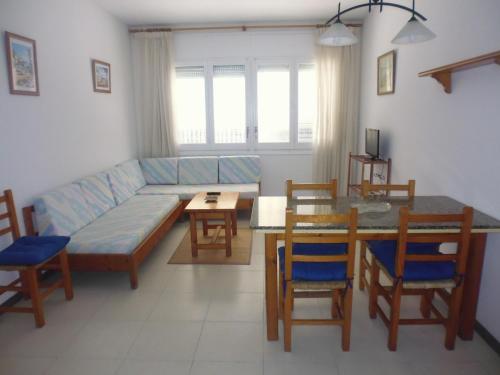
312, 271
31, 250
385, 253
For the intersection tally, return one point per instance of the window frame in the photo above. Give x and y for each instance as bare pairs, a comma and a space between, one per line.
251, 102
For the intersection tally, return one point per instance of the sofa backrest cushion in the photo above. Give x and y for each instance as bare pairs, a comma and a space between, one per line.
97, 193
239, 169
63, 211
160, 171
134, 173
120, 184
198, 170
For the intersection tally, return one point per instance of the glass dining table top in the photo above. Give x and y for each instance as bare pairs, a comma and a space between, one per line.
379, 213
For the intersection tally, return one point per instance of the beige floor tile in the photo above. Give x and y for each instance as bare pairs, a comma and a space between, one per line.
141, 367
291, 366
237, 307
134, 305
172, 305
226, 368
240, 342
75, 366
104, 340
166, 341
24, 365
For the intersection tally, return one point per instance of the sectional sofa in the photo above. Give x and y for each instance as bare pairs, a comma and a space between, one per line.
116, 217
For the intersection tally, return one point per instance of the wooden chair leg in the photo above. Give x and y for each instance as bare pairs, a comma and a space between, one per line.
66, 275
362, 267
453, 317
425, 303
24, 284
36, 300
281, 298
374, 279
287, 318
394, 316
335, 301
346, 327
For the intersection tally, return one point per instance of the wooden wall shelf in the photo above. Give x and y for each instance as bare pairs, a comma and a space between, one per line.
443, 74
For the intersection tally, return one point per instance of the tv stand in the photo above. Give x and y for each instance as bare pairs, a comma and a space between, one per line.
371, 162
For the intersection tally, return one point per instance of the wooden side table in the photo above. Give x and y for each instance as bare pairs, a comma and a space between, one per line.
223, 209
365, 160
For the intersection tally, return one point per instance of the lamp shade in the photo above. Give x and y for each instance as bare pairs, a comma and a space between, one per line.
413, 32
337, 35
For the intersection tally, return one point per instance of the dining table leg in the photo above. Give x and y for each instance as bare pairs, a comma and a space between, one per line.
271, 286
472, 283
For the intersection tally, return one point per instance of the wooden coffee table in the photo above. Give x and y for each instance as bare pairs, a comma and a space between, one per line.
223, 209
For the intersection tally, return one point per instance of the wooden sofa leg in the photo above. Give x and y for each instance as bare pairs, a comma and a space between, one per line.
66, 275
134, 278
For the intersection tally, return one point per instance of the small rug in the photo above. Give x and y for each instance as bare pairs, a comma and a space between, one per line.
241, 248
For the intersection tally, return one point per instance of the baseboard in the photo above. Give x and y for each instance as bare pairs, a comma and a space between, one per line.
492, 342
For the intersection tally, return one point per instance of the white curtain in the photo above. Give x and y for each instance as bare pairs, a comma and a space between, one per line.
154, 75
338, 77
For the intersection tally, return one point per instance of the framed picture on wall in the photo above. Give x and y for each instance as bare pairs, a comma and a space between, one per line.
386, 73
101, 76
22, 65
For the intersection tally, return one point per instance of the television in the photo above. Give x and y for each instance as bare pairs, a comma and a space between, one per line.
372, 143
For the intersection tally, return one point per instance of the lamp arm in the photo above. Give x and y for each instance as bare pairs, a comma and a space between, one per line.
370, 4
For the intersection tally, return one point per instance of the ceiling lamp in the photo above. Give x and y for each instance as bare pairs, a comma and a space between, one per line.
337, 34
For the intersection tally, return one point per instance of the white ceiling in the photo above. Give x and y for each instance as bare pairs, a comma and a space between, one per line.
175, 12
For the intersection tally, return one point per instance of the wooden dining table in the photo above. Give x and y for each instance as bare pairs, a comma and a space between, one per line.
268, 217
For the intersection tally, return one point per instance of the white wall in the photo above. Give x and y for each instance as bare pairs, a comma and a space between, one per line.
68, 131
201, 47
447, 142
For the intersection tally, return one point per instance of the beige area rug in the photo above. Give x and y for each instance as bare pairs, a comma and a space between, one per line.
241, 246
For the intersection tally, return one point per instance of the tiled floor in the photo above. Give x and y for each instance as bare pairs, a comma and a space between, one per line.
209, 320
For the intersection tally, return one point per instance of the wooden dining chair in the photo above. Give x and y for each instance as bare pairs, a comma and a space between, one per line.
423, 271
330, 187
366, 190
28, 256
318, 265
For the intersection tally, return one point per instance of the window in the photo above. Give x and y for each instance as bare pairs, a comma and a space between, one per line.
229, 104
256, 104
190, 105
306, 102
273, 103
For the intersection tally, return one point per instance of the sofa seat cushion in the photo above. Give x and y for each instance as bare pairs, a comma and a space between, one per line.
63, 211
97, 193
121, 229
198, 170
239, 169
247, 191
31, 250
134, 173
160, 171
121, 186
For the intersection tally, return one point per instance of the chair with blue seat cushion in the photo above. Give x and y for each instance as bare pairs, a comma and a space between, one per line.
318, 265
415, 266
368, 190
29, 255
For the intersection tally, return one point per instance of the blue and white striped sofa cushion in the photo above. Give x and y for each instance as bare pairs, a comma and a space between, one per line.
62, 212
198, 170
239, 169
122, 229
160, 171
134, 173
121, 186
97, 193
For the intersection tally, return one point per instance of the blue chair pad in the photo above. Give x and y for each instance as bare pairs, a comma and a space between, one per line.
385, 253
312, 271
31, 250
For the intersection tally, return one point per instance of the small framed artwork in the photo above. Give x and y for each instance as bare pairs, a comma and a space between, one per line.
386, 73
101, 76
22, 65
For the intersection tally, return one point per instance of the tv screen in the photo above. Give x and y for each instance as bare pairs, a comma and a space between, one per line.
372, 142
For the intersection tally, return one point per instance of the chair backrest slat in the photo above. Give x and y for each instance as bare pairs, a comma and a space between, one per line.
293, 235
462, 238
367, 188
330, 187
11, 215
